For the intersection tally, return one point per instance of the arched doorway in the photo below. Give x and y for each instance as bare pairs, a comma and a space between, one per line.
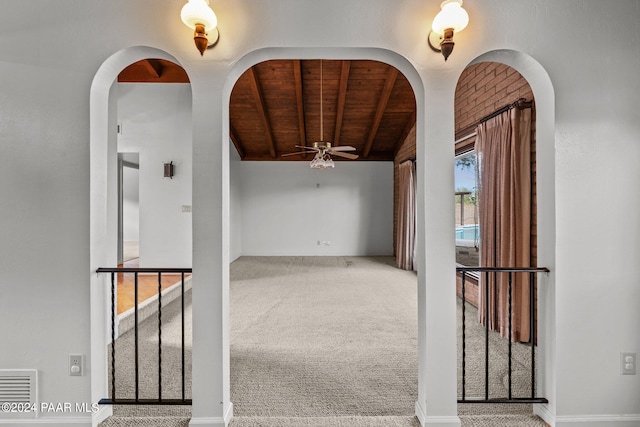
524, 78
441, 368
436, 346
337, 219
104, 235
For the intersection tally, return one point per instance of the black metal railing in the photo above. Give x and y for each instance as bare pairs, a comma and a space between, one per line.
485, 273
136, 400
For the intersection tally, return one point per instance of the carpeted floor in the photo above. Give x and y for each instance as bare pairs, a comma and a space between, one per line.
323, 336
317, 341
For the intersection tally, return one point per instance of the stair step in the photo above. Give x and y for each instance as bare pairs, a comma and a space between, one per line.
116, 421
501, 421
346, 421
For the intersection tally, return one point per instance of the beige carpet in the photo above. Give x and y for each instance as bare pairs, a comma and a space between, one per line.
316, 341
323, 336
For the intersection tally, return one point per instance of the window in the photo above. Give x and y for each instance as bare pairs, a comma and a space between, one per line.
467, 228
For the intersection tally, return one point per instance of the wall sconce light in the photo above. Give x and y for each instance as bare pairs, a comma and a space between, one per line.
198, 16
452, 18
169, 170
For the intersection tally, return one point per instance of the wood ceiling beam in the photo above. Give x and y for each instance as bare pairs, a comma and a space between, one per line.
236, 141
382, 106
297, 76
405, 132
154, 69
262, 110
342, 96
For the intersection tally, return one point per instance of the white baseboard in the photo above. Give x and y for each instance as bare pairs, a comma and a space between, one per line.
208, 422
598, 420
228, 414
442, 421
103, 413
421, 413
215, 421
630, 420
543, 412
426, 420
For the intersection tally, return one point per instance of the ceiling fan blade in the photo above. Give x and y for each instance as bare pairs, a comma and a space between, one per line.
308, 148
343, 148
296, 153
345, 155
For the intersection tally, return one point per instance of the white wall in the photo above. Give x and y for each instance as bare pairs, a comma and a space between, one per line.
287, 208
235, 204
155, 121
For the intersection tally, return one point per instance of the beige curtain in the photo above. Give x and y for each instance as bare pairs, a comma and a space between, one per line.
406, 224
503, 146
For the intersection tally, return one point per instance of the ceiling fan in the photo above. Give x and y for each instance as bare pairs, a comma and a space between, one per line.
323, 149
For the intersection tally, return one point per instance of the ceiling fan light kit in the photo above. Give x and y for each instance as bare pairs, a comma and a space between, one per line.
322, 162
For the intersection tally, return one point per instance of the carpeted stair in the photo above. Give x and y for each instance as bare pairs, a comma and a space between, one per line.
116, 421
351, 421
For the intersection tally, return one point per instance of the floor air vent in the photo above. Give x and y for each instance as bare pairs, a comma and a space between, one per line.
18, 393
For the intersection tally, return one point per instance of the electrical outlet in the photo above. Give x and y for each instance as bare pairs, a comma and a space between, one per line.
75, 365
628, 363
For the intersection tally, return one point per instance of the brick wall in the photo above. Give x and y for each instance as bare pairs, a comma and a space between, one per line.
482, 89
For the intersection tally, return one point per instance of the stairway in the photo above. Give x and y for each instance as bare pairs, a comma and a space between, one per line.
347, 421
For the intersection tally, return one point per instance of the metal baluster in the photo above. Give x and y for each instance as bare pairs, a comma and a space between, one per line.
532, 329
160, 336
115, 277
510, 329
183, 374
113, 337
135, 329
486, 341
464, 354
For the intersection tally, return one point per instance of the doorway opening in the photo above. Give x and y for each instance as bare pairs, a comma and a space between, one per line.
312, 250
145, 229
129, 207
500, 312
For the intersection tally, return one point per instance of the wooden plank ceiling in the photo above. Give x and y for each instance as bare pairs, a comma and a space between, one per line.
275, 105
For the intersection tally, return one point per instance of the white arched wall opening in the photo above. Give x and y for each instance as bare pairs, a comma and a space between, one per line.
436, 405
544, 96
103, 208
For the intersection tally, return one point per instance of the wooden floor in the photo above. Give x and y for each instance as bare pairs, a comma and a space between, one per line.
147, 285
